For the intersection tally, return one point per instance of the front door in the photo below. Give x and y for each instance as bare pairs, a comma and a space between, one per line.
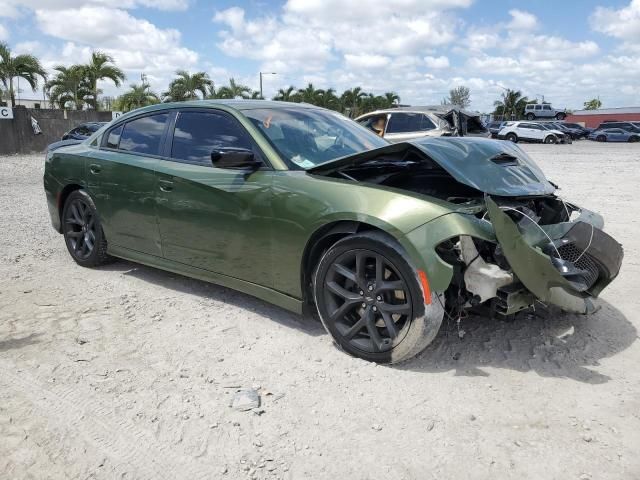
213, 218
121, 178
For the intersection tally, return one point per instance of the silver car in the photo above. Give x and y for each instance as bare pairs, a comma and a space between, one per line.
410, 123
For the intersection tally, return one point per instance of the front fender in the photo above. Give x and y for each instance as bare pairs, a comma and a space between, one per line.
421, 244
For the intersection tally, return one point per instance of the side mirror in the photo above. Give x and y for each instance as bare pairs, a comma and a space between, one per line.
235, 158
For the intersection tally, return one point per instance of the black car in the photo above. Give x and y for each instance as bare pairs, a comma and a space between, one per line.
628, 126
574, 133
585, 130
83, 131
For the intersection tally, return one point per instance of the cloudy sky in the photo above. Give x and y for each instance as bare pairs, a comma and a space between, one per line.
568, 51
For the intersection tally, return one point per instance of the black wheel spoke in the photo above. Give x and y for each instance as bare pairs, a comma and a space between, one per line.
76, 214
360, 269
390, 324
392, 308
343, 292
73, 221
345, 272
73, 234
379, 269
357, 327
393, 285
342, 310
376, 339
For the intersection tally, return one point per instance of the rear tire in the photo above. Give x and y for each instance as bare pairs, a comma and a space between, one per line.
551, 139
561, 116
633, 139
601, 138
512, 137
530, 116
82, 230
371, 301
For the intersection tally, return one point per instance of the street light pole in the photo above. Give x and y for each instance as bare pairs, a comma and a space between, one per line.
261, 74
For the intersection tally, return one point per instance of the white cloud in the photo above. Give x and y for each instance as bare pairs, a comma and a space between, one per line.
521, 20
623, 23
12, 8
436, 62
4, 33
366, 61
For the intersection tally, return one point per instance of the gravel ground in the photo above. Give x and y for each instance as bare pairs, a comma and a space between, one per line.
128, 372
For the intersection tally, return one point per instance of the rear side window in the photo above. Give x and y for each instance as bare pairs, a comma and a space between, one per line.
546, 107
144, 135
409, 122
197, 134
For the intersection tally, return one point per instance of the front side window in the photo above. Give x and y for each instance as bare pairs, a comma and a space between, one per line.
546, 107
306, 137
114, 137
144, 135
197, 134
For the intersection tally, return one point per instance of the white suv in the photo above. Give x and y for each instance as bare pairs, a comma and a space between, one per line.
530, 132
545, 110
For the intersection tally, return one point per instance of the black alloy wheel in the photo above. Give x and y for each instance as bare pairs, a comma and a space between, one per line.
371, 302
601, 138
82, 230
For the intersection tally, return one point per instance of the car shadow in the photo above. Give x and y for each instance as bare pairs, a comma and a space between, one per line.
547, 342
17, 343
217, 293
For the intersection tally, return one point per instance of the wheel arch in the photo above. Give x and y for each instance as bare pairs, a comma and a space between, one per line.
62, 198
320, 241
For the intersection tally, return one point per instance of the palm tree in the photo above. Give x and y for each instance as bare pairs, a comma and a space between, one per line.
511, 103
391, 98
311, 94
328, 99
234, 90
69, 85
187, 86
101, 68
351, 100
138, 96
27, 67
288, 95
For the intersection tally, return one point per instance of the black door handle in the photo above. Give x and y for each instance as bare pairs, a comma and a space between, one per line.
95, 169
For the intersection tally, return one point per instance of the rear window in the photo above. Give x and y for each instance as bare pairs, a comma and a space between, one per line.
144, 135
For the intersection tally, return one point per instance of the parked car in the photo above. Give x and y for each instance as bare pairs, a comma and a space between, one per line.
572, 133
530, 132
568, 136
82, 131
628, 126
584, 131
378, 238
545, 110
614, 135
494, 128
410, 123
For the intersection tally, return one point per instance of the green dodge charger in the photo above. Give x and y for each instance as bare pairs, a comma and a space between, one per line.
304, 208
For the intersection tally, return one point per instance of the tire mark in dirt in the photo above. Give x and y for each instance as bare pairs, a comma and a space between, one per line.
74, 411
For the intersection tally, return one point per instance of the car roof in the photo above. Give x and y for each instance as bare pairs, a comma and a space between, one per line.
423, 109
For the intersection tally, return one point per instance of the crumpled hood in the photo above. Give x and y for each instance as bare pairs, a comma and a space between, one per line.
495, 167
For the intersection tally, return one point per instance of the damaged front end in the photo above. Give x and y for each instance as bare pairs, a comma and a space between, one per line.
509, 241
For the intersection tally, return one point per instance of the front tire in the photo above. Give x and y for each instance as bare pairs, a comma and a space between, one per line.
82, 230
601, 138
633, 139
530, 116
370, 299
560, 116
550, 139
512, 137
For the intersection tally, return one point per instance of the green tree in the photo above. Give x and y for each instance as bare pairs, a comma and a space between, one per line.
234, 90
138, 96
310, 94
288, 95
391, 98
593, 104
351, 100
459, 96
511, 103
187, 86
101, 67
27, 67
69, 85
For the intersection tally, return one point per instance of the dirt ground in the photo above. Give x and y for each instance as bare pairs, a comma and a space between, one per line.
127, 372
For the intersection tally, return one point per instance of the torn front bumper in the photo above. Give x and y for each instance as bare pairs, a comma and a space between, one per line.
565, 264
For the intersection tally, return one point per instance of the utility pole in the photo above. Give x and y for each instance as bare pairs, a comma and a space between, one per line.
261, 74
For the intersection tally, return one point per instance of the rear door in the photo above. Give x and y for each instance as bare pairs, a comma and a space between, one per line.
403, 126
213, 218
121, 178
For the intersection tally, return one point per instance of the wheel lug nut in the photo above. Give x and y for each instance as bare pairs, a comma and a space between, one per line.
370, 287
379, 298
364, 305
375, 309
361, 293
